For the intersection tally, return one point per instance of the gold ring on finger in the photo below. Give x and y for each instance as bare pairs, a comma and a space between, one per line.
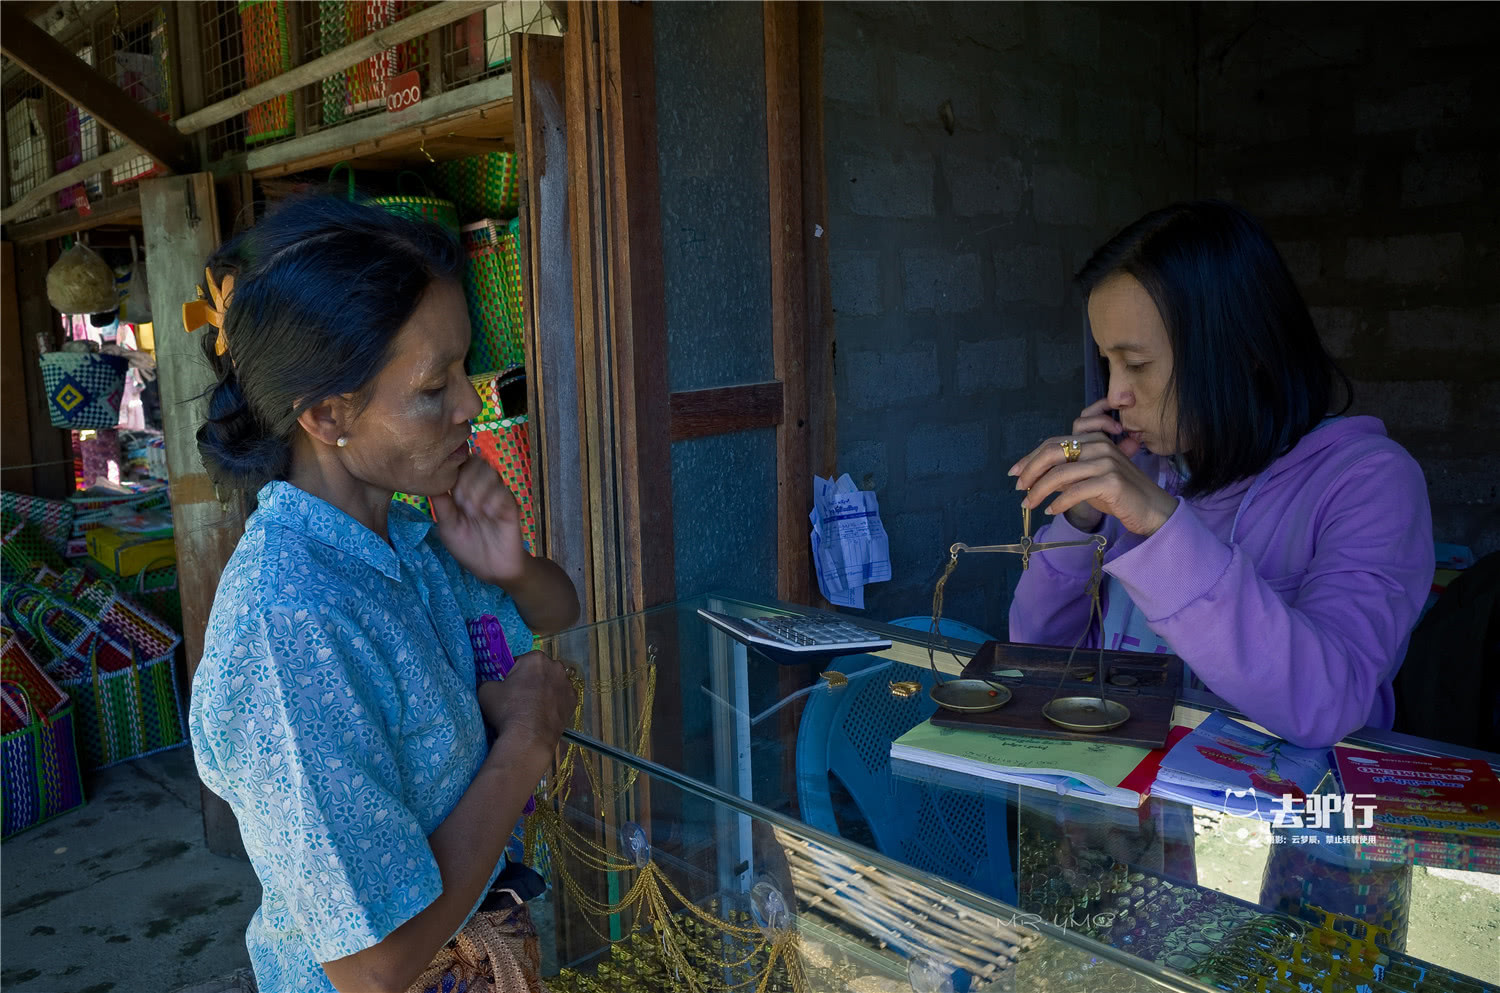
1072, 448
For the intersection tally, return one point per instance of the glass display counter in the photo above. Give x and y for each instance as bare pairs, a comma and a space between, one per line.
721, 821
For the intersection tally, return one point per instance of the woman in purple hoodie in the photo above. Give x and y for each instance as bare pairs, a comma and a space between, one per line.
1283, 552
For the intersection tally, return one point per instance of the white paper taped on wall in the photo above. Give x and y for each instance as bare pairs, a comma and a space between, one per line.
850, 546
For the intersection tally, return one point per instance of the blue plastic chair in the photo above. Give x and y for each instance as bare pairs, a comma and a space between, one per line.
847, 733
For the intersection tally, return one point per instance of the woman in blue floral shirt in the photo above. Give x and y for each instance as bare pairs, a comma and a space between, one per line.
335, 707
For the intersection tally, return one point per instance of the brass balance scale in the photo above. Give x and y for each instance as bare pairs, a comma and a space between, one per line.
1084, 713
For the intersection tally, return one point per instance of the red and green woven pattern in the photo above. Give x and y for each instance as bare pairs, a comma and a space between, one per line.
487, 185
267, 55
494, 315
26, 690
506, 445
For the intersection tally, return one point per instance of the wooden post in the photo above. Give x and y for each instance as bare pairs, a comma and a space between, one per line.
51, 448
547, 287
15, 404
620, 310
181, 225
788, 299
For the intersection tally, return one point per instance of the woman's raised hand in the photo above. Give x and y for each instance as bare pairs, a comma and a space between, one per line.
1102, 480
480, 524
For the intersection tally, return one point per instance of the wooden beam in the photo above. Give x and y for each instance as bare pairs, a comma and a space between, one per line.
181, 224
546, 252
67, 178
794, 580
702, 413
326, 65
75, 80
432, 119
122, 208
80, 20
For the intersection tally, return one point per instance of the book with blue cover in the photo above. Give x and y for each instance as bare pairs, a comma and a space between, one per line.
1225, 765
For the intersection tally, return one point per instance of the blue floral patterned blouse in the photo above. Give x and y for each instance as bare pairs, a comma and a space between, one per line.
334, 710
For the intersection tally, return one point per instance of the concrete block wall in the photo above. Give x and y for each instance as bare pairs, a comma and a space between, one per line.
976, 154
1370, 146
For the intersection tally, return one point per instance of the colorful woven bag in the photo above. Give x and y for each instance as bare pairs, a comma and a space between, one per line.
154, 588
52, 518
114, 659
39, 773
498, 342
267, 54
23, 549
84, 389
506, 445
487, 185
101, 455
334, 34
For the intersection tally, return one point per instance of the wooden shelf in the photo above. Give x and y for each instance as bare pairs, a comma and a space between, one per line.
120, 209
467, 121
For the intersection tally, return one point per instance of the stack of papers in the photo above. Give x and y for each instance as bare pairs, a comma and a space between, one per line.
1090, 770
1224, 765
850, 546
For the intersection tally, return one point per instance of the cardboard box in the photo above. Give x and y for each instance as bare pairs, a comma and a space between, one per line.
127, 554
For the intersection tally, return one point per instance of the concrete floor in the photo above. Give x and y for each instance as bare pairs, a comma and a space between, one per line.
121, 896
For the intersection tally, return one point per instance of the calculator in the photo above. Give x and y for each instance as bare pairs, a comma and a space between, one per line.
806, 636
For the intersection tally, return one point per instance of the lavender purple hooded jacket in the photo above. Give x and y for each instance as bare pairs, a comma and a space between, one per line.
1290, 594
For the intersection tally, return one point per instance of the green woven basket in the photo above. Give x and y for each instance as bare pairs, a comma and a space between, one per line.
487, 185
494, 300
423, 206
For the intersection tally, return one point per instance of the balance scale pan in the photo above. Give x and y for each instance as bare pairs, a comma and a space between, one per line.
1086, 713
970, 696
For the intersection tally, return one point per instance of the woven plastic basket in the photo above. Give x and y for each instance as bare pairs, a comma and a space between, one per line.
498, 342
506, 445
487, 185
39, 773
267, 54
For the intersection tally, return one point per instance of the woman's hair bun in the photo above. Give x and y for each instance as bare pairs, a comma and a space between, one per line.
236, 449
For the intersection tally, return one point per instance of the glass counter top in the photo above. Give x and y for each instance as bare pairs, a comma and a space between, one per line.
760, 777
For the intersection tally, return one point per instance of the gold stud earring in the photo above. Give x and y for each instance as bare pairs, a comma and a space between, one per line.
343, 442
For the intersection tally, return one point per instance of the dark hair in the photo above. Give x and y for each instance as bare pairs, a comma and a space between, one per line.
1249, 374
321, 287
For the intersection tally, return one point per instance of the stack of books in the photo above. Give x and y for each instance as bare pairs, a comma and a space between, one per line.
1438, 812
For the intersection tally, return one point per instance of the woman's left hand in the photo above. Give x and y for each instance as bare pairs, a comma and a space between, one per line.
480, 523
1103, 477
